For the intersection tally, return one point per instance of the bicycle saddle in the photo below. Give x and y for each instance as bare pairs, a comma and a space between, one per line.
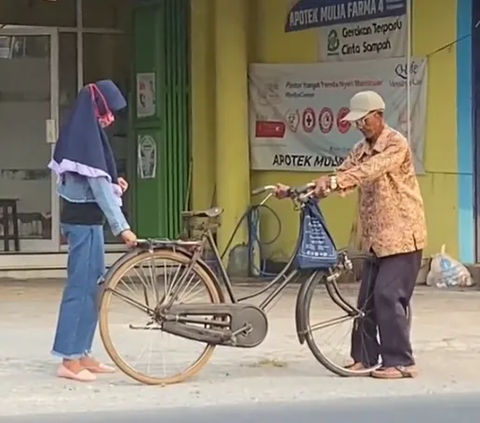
212, 212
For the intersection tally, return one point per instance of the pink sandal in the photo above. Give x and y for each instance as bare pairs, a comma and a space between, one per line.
82, 376
101, 368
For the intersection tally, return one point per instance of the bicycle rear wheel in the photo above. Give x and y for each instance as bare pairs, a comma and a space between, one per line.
337, 314
138, 286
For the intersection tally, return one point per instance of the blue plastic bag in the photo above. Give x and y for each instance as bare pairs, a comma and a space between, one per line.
316, 249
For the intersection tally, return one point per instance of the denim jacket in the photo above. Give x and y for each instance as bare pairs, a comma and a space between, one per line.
81, 189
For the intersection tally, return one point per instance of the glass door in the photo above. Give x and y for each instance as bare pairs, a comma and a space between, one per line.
28, 132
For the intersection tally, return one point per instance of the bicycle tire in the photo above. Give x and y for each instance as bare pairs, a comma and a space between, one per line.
113, 280
312, 345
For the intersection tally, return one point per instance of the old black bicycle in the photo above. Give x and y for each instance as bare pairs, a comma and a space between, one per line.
165, 289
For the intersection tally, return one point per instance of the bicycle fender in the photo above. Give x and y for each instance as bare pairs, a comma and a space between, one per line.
112, 269
129, 255
207, 269
115, 266
301, 311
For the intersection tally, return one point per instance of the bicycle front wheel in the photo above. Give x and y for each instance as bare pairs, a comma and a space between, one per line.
334, 305
128, 324
349, 280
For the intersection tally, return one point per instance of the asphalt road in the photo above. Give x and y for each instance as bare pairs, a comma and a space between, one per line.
426, 409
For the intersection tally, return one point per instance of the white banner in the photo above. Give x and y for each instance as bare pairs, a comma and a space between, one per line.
296, 110
372, 39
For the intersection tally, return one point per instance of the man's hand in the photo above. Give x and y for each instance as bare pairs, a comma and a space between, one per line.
322, 187
123, 184
282, 191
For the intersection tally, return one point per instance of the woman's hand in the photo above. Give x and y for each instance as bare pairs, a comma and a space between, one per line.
123, 184
129, 238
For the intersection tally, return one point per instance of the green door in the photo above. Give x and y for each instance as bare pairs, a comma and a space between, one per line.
160, 116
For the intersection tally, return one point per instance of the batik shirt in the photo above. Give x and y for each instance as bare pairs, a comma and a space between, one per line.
391, 209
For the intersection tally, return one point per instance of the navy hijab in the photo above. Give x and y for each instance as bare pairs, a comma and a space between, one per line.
83, 147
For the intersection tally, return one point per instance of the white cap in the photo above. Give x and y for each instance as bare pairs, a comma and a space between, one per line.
362, 103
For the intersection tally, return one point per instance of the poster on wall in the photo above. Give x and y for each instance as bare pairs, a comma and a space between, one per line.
296, 111
147, 157
349, 30
146, 92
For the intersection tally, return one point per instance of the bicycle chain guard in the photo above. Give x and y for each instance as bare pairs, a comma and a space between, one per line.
247, 324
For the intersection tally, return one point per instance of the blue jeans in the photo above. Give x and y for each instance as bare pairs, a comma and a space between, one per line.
78, 316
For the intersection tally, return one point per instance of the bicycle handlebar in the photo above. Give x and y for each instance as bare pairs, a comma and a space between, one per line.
261, 190
301, 190
293, 191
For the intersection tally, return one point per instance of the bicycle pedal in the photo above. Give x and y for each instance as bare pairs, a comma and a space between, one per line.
144, 327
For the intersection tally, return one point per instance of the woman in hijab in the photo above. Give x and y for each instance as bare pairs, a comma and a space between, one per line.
91, 191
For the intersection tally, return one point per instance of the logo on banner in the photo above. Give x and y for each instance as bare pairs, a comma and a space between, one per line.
293, 119
402, 69
333, 42
343, 126
308, 120
268, 93
269, 129
325, 120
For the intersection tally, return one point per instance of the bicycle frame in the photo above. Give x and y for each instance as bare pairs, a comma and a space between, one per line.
288, 273
194, 249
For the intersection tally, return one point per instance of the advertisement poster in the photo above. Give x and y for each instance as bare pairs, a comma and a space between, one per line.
146, 93
147, 157
296, 111
353, 30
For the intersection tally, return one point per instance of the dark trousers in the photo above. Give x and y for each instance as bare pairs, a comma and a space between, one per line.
385, 291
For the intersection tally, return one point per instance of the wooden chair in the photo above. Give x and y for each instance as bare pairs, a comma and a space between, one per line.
8, 207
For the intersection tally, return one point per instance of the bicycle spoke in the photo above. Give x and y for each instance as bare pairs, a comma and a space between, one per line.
331, 322
131, 301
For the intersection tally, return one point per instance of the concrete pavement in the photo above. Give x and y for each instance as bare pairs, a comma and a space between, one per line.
446, 336
425, 408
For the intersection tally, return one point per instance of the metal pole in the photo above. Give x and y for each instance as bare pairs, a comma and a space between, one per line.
79, 32
409, 64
